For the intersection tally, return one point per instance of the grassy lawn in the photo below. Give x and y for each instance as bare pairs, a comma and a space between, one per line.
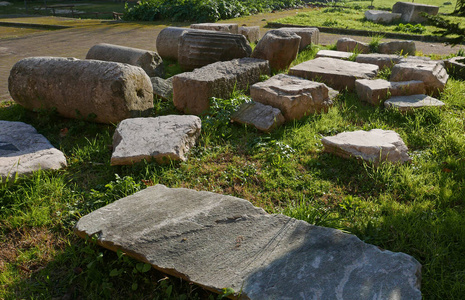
416, 208
352, 16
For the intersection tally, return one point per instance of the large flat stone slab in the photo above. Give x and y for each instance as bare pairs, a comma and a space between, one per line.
411, 12
374, 146
261, 116
295, 97
23, 151
336, 73
192, 90
334, 54
409, 103
381, 60
162, 139
220, 241
382, 16
378, 90
100, 91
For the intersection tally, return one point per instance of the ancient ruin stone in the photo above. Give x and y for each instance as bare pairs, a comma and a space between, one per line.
336, 73
198, 49
100, 91
308, 36
381, 60
382, 16
432, 73
263, 117
351, 45
456, 66
409, 103
192, 90
149, 61
168, 41
162, 88
279, 47
411, 12
219, 241
398, 47
24, 151
294, 96
334, 54
224, 27
251, 33
376, 91
375, 146
163, 139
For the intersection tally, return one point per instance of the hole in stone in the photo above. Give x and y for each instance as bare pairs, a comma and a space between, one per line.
140, 93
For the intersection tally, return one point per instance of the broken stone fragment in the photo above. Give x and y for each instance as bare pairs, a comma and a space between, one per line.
409, 103
263, 117
162, 139
374, 146
224, 27
24, 151
162, 88
334, 54
398, 47
376, 91
382, 16
308, 36
251, 33
219, 241
411, 12
350, 45
381, 60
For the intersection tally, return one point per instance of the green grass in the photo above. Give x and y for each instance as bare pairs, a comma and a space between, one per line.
352, 16
416, 208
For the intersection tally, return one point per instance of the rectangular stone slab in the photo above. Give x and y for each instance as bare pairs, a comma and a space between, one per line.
220, 241
336, 73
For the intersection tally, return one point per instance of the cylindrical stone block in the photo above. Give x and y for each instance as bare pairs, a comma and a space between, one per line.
167, 41
99, 91
149, 61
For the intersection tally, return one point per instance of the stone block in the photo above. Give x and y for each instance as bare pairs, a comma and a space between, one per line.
224, 27
198, 49
219, 241
163, 139
411, 12
24, 151
398, 47
100, 91
376, 91
432, 73
334, 54
351, 45
374, 146
308, 36
168, 41
294, 96
149, 61
456, 66
162, 88
192, 90
381, 60
409, 103
263, 117
382, 16
251, 33
336, 73
279, 47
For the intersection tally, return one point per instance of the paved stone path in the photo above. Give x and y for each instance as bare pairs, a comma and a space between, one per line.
76, 41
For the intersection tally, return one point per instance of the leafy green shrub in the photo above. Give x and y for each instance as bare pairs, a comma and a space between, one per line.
201, 10
418, 28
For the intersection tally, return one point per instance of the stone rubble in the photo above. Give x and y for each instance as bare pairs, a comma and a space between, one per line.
409, 103
376, 91
350, 45
263, 117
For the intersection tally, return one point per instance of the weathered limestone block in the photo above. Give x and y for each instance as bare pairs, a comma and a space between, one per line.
162, 139
198, 49
23, 151
104, 92
376, 91
409, 103
336, 73
225, 27
251, 33
398, 47
381, 60
456, 66
432, 73
263, 117
382, 16
334, 54
375, 146
219, 241
411, 12
279, 47
162, 88
149, 61
294, 96
192, 90
168, 40
308, 36
351, 45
